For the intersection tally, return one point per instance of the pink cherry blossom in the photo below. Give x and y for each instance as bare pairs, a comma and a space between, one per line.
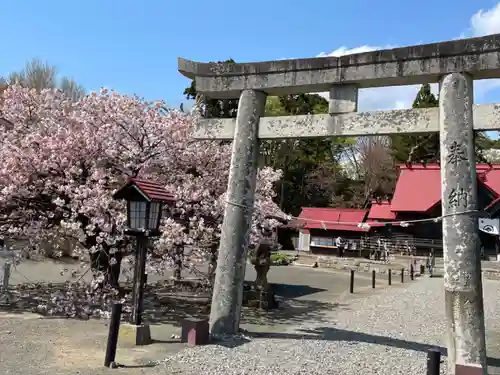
61, 161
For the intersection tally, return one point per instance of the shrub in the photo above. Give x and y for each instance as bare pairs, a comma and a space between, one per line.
281, 259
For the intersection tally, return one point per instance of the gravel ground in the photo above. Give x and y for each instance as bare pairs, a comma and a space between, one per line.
31, 344
386, 333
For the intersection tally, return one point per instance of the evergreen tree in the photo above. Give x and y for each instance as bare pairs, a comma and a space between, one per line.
221, 108
418, 148
425, 98
425, 148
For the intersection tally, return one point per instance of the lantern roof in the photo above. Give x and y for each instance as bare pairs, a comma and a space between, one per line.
151, 191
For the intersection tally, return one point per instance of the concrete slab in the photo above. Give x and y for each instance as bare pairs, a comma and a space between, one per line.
130, 335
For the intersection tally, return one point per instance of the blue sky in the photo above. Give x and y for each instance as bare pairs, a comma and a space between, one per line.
132, 46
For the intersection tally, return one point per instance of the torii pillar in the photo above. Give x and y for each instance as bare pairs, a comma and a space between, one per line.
462, 263
231, 264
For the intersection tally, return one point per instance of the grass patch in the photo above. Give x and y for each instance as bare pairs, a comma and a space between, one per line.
281, 259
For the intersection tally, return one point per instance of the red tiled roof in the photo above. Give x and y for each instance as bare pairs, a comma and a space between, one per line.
490, 176
418, 188
381, 210
331, 215
153, 190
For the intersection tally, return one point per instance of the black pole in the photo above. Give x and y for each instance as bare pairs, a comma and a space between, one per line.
389, 276
402, 275
373, 279
412, 276
114, 328
433, 361
351, 286
139, 280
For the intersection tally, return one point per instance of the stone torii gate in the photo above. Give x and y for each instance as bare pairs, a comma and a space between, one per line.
454, 65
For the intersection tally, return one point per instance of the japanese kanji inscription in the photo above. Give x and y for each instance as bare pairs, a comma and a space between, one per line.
456, 153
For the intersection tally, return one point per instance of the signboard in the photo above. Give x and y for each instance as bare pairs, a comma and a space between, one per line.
490, 226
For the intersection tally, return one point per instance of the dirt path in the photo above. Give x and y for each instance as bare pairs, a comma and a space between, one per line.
33, 345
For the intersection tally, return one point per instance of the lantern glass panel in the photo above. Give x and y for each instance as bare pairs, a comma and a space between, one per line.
154, 214
137, 215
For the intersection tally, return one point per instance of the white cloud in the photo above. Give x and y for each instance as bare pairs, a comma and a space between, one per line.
484, 22
395, 97
345, 51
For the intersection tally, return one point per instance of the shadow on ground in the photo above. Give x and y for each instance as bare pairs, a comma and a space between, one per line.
164, 302
294, 291
336, 334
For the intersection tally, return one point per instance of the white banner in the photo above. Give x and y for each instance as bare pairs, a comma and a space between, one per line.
490, 226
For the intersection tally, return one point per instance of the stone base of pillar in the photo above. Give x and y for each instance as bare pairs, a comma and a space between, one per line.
195, 332
469, 369
259, 299
134, 335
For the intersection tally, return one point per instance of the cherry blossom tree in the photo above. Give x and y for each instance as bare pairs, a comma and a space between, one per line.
61, 161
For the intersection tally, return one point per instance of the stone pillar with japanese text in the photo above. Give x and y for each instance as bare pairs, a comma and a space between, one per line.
231, 264
462, 265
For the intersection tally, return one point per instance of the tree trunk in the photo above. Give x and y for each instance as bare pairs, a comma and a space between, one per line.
282, 187
179, 251
100, 263
261, 279
212, 266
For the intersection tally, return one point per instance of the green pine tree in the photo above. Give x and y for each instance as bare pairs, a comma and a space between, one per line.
425, 98
221, 108
418, 148
425, 148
